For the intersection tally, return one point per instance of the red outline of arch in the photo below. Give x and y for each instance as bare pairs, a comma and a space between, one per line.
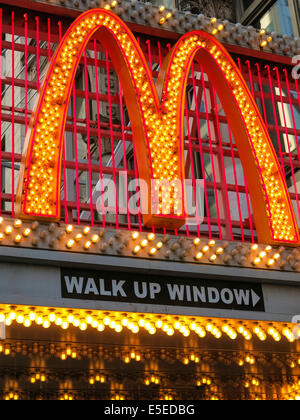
262, 202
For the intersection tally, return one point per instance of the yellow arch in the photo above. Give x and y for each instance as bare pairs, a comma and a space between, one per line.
157, 126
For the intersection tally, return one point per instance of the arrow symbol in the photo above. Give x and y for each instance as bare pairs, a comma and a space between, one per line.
255, 298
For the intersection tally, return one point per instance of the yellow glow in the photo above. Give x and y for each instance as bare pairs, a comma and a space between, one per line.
151, 237
151, 323
26, 232
135, 235
18, 223
70, 243
136, 249
69, 228
197, 241
8, 230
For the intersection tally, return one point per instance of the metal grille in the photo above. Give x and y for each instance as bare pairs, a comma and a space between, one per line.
98, 140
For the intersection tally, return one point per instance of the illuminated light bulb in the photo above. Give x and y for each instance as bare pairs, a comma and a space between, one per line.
26, 232
257, 261
151, 237
1, 237
205, 249
12, 316
83, 326
86, 230
70, 243
152, 251
17, 223
220, 251
27, 323
162, 20
69, 228
135, 235
276, 256
159, 245
78, 237
95, 239
213, 258
197, 241
8, 230
254, 247
144, 243
87, 245
271, 262
262, 254
17, 239
1, 220
198, 256
162, 8
264, 43
136, 250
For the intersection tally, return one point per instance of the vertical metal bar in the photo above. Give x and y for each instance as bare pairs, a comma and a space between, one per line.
112, 140
276, 120
223, 172
246, 187
13, 116
64, 158
124, 153
1, 19
287, 139
59, 30
137, 186
49, 39
76, 155
26, 70
159, 54
293, 115
298, 92
90, 182
148, 42
211, 153
37, 53
192, 169
250, 78
99, 133
198, 98
236, 183
262, 93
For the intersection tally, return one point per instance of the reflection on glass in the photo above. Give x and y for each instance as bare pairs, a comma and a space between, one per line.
279, 18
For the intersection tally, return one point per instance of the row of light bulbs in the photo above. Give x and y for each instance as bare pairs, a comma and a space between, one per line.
19, 233
151, 323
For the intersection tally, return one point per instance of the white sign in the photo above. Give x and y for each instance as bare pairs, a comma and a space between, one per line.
2, 331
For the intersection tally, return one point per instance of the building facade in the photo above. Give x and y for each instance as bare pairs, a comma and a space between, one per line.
100, 299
